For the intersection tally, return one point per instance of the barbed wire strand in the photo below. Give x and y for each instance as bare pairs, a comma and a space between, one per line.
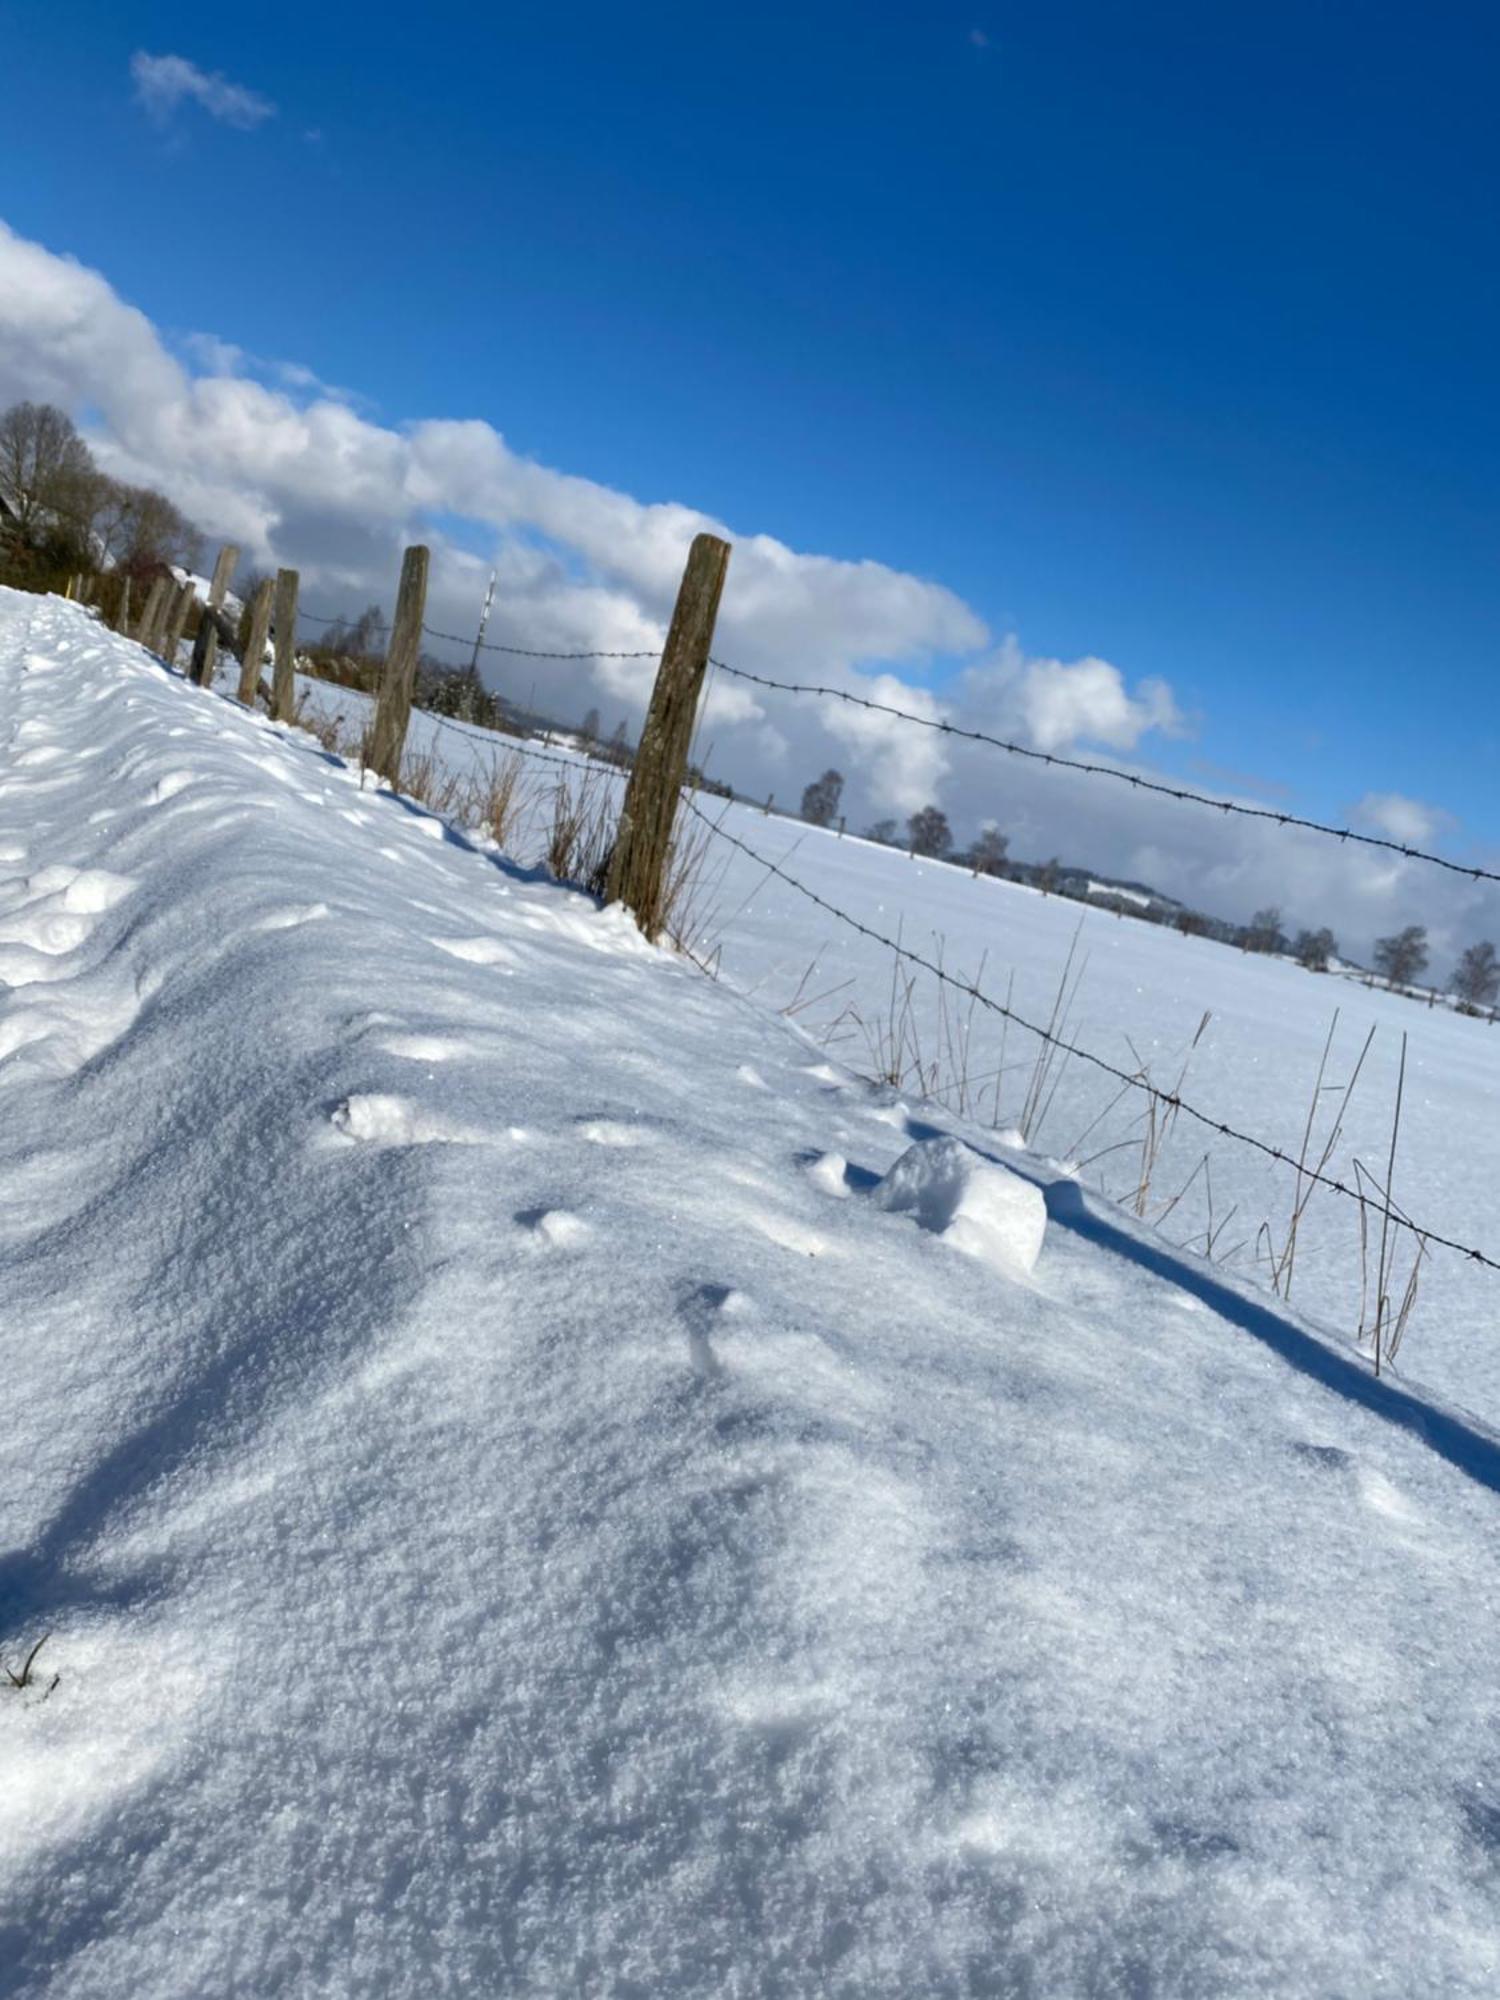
1168, 1098
1131, 778
1182, 794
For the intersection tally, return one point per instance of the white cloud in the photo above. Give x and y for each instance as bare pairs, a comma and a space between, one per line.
308, 481
1400, 818
1054, 705
215, 356
162, 83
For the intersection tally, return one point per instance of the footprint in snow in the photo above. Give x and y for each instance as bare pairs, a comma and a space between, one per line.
828, 1173
700, 1308
553, 1228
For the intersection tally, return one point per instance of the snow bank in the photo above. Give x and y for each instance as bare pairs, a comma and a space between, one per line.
548, 1563
978, 1207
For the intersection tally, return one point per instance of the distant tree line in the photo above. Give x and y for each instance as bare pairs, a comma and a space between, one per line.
1400, 959
61, 515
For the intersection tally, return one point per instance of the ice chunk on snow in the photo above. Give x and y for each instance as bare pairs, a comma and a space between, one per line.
973, 1204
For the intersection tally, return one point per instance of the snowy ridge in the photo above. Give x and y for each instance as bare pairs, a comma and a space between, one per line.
513, 1514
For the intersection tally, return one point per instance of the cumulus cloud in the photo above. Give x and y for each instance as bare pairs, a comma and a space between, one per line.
1054, 704
163, 83
1400, 818
297, 476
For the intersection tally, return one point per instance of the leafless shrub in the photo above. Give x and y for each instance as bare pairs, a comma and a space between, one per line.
1281, 1259
581, 833
425, 778
1052, 1054
502, 798
687, 890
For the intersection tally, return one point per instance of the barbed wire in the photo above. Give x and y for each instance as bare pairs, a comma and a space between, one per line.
533, 652
510, 745
941, 727
1167, 1098
1131, 778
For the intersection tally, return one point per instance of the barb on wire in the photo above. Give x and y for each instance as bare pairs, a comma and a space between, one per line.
533, 653
1131, 778
1166, 1098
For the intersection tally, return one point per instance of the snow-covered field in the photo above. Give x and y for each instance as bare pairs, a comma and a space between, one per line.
518, 1509
1142, 992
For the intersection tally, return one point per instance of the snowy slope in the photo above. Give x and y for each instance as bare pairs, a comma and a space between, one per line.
1142, 992
512, 1516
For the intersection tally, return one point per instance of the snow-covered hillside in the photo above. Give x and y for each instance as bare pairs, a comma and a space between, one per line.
515, 1510
1140, 995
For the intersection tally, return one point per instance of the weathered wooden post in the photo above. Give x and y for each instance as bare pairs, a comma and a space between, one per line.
252, 652
284, 619
205, 651
643, 840
393, 710
150, 611
177, 619
224, 564
122, 609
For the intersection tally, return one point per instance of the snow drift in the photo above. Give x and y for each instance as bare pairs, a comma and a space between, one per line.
506, 1524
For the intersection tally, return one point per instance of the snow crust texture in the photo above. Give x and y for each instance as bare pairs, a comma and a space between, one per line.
513, 1515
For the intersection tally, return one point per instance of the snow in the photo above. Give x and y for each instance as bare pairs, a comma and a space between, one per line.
979, 1207
512, 1517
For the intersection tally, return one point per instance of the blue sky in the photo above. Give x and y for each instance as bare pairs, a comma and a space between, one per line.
1164, 333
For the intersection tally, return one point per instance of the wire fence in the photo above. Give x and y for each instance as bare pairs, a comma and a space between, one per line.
1167, 1099
940, 726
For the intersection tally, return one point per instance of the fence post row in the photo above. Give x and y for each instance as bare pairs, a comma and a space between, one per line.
643, 841
252, 652
224, 564
393, 709
205, 653
177, 620
284, 620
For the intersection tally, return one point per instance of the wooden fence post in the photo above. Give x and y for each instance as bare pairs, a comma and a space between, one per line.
643, 840
151, 612
177, 619
393, 710
284, 619
224, 564
252, 653
205, 651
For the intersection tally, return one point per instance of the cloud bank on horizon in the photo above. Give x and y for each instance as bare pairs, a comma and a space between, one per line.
296, 475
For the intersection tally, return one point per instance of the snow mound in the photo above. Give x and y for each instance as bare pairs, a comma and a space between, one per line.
976, 1206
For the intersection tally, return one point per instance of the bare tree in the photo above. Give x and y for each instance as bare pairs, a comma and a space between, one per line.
1263, 932
929, 833
1476, 979
1403, 957
884, 831
136, 527
1315, 949
988, 854
46, 473
820, 800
